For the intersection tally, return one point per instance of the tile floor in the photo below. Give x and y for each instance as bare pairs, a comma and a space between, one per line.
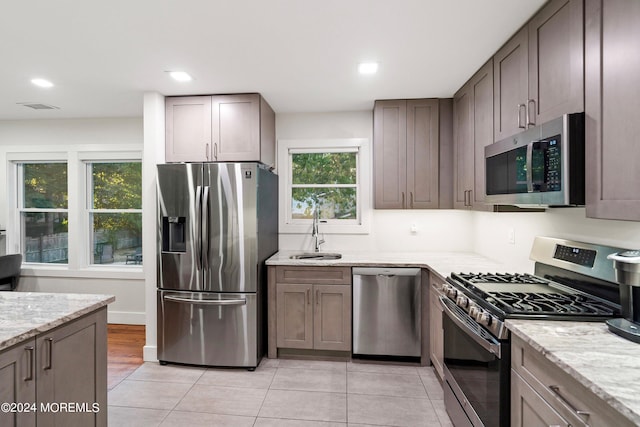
281, 392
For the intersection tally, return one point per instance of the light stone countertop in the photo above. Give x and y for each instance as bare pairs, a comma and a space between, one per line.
605, 363
442, 263
24, 315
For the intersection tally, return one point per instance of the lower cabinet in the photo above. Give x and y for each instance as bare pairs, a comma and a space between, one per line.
62, 374
436, 333
309, 309
542, 394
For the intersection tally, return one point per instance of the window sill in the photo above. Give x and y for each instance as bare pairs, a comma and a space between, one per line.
135, 273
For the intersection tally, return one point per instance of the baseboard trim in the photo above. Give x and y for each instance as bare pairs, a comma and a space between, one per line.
150, 353
126, 317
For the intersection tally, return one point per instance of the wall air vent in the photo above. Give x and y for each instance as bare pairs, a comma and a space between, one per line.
37, 106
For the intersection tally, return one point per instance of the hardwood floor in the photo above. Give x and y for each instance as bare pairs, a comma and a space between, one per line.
125, 344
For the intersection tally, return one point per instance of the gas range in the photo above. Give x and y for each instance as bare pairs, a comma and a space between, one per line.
489, 298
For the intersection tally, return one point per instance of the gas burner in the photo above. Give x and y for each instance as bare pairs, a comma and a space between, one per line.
500, 278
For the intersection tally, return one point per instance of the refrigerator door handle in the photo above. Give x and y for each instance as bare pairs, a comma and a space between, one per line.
204, 237
205, 301
198, 227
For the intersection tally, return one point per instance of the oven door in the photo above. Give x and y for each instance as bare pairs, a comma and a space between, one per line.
476, 371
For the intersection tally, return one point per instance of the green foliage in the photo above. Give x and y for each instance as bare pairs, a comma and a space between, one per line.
323, 171
45, 185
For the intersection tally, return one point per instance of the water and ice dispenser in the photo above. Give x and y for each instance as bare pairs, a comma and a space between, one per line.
174, 234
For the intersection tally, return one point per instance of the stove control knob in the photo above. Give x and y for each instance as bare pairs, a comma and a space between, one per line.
451, 292
473, 311
462, 301
484, 318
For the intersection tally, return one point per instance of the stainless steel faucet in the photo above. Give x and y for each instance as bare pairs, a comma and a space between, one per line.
315, 230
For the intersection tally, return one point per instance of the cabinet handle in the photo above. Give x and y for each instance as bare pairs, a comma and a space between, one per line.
215, 151
520, 107
206, 152
470, 201
556, 390
308, 296
411, 198
403, 200
30, 350
529, 122
49, 353
317, 298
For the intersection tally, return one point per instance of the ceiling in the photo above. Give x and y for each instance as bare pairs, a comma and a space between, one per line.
302, 55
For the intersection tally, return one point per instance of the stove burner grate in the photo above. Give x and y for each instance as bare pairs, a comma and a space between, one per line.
548, 303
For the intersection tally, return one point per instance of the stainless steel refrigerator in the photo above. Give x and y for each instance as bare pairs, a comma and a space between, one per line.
217, 224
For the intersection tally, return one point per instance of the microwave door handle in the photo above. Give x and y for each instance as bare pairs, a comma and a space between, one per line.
488, 346
198, 226
529, 166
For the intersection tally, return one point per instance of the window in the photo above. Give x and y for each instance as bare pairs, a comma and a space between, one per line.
43, 210
115, 212
330, 176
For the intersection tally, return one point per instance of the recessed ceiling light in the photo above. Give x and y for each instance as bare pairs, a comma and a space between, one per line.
180, 76
42, 82
368, 67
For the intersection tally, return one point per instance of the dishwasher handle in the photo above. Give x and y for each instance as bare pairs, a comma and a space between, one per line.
385, 272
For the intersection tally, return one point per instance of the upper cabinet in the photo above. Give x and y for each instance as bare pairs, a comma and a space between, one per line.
220, 128
539, 73
472, 131
406, 142
612, 103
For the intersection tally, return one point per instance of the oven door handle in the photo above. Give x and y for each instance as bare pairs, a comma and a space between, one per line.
489, 346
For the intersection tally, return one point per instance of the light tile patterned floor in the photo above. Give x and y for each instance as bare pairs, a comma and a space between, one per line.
281, 392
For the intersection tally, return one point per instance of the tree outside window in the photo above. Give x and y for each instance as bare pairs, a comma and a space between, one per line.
326, 181
43, 206
115, 212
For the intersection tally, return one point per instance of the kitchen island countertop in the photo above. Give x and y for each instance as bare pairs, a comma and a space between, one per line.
26, 314
441, 263
605, 363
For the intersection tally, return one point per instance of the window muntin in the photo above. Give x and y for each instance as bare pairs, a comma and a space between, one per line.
115, 212
326, 180
43, 210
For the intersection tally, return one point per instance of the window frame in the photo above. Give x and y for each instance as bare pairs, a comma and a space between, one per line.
79, 265
89, 210
360, 146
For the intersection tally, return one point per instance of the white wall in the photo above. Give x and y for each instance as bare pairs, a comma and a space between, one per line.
491, 230
390, 229
34, 136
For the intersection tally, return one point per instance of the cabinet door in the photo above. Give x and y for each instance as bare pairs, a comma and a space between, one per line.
18, 383
612, 102
72, 367
294, 316
332, 317
481, 88
528, 408
422, 153
436, 333
556, 61
188, 129
390, 154
462, 147
511, 70
236, 128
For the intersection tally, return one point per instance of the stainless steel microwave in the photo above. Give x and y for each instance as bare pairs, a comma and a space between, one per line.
541, 166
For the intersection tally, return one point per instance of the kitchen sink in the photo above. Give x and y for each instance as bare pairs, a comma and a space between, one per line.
316, 256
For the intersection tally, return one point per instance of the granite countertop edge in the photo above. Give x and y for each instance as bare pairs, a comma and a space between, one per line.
601, 361
18, 330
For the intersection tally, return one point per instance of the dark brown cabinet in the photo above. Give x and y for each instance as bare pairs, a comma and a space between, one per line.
612, 103
67, 364
539, 72
405, 152
473, 130
221, 128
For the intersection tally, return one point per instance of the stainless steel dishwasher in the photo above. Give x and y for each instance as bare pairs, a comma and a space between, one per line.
386, 312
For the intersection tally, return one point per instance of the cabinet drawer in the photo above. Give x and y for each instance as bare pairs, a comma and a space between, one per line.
314, 275
567, 396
